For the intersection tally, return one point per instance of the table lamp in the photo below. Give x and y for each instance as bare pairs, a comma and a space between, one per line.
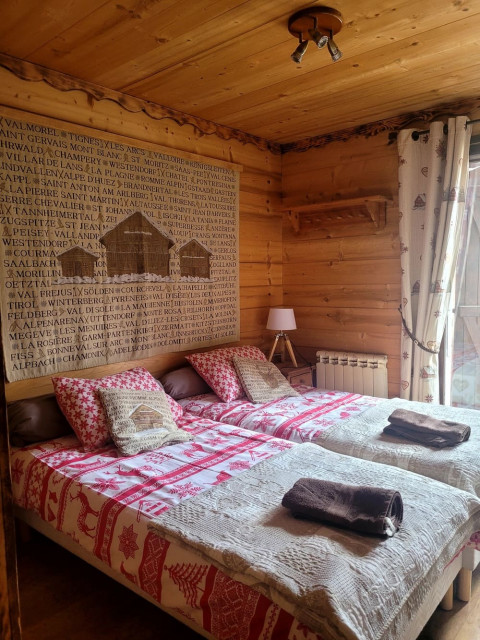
281, 320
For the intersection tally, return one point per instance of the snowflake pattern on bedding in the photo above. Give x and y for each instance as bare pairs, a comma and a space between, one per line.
297, 419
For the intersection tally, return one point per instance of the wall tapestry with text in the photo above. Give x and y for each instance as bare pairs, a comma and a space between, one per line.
111, 252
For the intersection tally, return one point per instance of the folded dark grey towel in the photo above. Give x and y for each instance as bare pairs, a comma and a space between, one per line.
425, 429
365, 509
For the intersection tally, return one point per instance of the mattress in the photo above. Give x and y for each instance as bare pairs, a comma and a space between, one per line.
297, 419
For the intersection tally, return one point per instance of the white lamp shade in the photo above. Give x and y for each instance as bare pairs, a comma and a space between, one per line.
281, 320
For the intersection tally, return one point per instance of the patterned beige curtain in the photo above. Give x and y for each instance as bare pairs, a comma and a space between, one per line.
433, 172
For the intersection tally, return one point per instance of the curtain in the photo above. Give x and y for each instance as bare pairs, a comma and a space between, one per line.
433, 173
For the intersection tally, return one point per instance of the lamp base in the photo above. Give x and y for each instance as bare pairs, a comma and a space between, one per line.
288, 344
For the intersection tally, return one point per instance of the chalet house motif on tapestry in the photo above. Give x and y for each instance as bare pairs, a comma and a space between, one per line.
194, 260
77, 262
136, 246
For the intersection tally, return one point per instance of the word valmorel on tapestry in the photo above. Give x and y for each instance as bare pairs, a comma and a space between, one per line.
111, 252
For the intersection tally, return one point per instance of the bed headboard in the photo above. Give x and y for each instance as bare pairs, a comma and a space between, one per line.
157, 365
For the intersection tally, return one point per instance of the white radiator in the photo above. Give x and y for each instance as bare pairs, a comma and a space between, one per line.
364, 373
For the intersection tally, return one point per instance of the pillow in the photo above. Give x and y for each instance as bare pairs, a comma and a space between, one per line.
140, 420
84, 411
217, 369
262, 380
35, 420
183, 383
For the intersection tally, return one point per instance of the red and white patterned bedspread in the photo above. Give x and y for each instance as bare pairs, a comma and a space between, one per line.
298, 419
104, 503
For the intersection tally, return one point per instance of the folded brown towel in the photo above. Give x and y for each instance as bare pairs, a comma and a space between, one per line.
366, 509
425, 429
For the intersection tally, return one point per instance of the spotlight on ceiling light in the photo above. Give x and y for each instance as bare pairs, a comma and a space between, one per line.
320, 39
318, 24
333, 50
299, 52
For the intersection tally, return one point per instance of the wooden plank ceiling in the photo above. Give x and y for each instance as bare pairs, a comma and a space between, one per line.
228, 61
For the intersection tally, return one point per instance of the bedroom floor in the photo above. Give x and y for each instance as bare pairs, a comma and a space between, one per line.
62, 597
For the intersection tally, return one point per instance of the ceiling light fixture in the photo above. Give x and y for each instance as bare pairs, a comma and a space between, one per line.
333, 50
318, 24
299, 52
319, 38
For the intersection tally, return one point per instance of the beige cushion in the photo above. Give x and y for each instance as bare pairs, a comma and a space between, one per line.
262, 380
140, 420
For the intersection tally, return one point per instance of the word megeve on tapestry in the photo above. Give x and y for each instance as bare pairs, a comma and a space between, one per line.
111, 252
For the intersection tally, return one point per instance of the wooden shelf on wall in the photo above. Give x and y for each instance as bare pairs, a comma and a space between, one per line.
313, 216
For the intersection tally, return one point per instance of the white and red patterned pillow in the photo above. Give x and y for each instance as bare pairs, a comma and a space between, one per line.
84, 411
216, 368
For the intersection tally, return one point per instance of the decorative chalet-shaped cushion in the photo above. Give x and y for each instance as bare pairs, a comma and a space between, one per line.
140, 420
79, 402
216, 368
262, 380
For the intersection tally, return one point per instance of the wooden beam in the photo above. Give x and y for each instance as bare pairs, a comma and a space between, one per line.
9, 605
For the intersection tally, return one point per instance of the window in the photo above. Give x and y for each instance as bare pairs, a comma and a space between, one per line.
462, 338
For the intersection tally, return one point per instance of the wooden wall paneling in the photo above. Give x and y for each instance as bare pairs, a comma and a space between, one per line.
253, 202
261, 249
342, 339
343, 280
370, 296
351, 319
261, 238
253, 273
9, 602
342, 272
254, 321
261, 296
298, 247
357, 167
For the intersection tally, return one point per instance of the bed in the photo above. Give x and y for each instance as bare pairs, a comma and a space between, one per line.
352, 424
99, 505
341, 421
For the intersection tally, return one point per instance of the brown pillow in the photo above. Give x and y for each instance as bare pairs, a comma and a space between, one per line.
183, 383
140, 420
262, 380
36, 420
